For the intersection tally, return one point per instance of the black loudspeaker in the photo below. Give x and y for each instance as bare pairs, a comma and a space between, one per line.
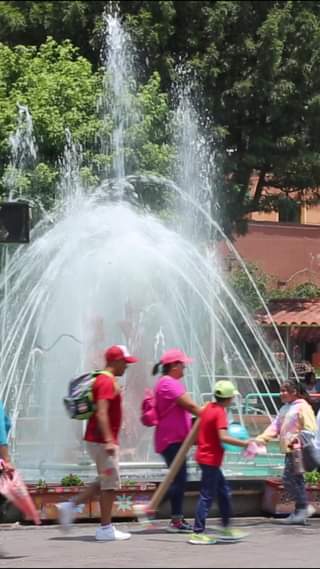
14, 222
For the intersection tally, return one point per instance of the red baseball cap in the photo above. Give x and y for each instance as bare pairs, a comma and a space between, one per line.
115, 353
175, 355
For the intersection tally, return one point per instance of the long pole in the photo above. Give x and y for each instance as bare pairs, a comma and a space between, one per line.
174, 468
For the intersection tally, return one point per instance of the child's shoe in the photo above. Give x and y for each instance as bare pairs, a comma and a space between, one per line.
179, 525
202, 539
231, 534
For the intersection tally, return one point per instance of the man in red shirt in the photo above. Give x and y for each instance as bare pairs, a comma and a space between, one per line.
103, 445
212, 435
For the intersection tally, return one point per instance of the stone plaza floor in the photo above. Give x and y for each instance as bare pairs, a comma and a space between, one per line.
269, 544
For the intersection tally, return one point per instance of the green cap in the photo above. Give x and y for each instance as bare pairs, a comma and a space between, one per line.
225, 389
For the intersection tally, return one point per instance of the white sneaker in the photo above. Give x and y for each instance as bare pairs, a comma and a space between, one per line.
67, 513
297, 518
111, 534
310, 510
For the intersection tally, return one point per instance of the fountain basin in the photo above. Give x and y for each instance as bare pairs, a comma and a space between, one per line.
247, 497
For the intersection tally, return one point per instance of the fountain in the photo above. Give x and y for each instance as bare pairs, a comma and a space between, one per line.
101, 269
23, 154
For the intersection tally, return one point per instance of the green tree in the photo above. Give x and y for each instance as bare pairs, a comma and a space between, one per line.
30, 23
245, 288
247, 294
304, 291
257, 81
60, 90
256, 64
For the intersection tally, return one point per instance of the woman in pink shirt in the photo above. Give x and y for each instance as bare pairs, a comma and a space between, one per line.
174, 408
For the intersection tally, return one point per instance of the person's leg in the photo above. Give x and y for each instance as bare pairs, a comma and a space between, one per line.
301, 497
109, 475
68, 511
294, 484
223, 497
287, 475
176, 492
295, 487
88, 494
227, 533
106, 504
208, 491
178, 486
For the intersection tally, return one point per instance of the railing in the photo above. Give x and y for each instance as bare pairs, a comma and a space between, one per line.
257, 395
246, 408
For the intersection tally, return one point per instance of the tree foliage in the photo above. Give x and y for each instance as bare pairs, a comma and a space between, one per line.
247, 288
61, 91
256, 68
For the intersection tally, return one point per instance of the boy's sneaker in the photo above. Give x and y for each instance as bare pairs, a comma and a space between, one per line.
310, 510
231, 534
110, 533
202, 539
179, 526
67, 513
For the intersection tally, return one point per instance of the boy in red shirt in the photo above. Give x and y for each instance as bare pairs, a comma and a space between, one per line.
102, 445
212, 435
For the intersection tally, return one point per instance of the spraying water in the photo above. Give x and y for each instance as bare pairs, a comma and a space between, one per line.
23, 154
117, 103
99, 272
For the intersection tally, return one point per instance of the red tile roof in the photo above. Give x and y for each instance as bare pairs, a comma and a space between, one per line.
291, 312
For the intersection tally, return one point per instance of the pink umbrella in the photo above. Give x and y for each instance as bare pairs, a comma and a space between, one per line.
14, 489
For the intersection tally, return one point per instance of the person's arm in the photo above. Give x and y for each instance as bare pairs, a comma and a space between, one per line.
307, 419
271, 432
187, 403
104, 425
8, 468
225, 438
4, 453
3, 430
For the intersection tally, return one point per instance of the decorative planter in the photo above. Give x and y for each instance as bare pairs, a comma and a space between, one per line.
46, 498
276, 501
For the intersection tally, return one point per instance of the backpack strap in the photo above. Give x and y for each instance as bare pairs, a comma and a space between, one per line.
109, 374
102, 372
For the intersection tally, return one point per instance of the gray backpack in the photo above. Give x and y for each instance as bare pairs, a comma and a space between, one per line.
310, 453
79, 402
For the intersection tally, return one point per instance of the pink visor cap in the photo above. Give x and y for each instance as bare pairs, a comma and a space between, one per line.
174, 355
115, 353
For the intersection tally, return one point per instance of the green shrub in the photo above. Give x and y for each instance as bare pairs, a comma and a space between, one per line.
71, 480
312, 477
42, 483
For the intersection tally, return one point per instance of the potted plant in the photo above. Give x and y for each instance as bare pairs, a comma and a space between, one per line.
131, 493
47, 495
276, 501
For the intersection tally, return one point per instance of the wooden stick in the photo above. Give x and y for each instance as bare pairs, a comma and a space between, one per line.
174, 468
